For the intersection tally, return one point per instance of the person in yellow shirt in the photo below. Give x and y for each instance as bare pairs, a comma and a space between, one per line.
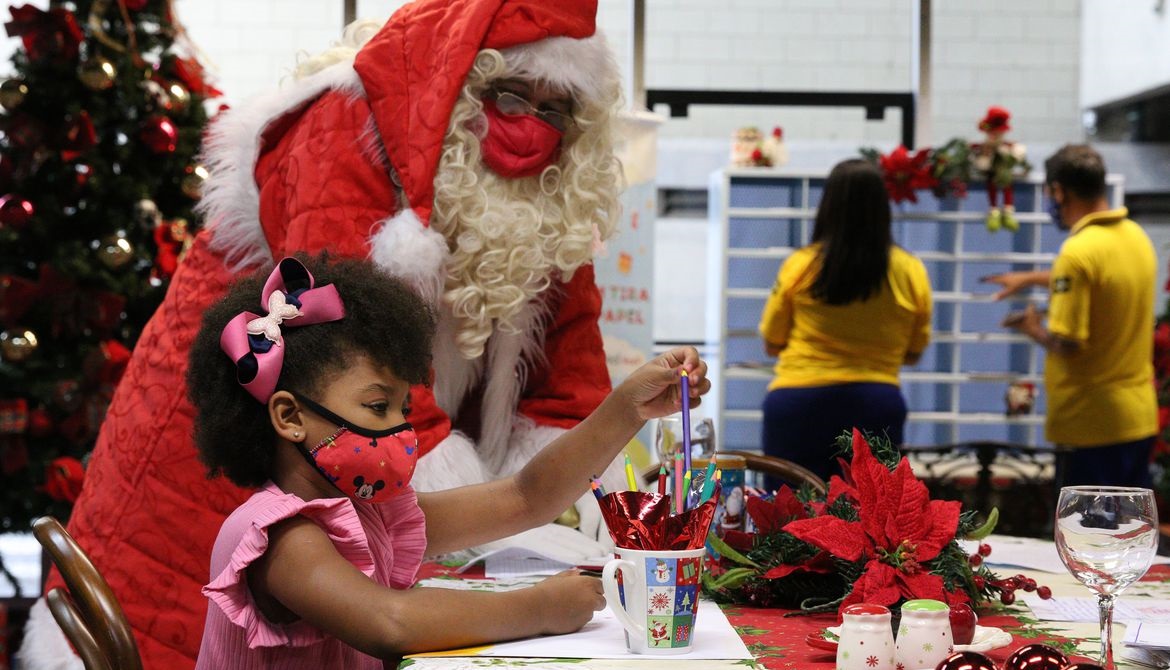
845, 314
1099, 366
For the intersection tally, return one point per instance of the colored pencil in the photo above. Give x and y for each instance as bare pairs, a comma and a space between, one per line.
596, 486
662, 480
600, 486
709, 481
686, 419
678, 484
631, 479
686, 489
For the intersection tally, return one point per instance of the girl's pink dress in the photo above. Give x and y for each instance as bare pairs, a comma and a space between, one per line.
385, 541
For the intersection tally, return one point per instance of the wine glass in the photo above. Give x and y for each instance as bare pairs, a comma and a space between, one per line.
1106, 536
668, 439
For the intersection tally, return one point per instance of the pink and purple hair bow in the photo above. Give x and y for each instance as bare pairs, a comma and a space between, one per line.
254, 342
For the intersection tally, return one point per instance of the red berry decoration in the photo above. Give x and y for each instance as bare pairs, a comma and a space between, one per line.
1044, 592
979, 582
1029, 585
985, 549
975, 560
1007, 597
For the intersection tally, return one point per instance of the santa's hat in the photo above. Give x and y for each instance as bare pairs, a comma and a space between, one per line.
996, 120
414, 69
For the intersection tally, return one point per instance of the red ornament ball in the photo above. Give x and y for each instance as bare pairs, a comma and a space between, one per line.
15, 212
136, 5
1083, 666
967, 660
1036, 657
159, 134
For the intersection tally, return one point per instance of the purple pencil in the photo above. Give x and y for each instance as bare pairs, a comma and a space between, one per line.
686, 420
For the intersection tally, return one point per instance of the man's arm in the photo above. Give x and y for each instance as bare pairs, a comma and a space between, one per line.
1014, 282
1030, 323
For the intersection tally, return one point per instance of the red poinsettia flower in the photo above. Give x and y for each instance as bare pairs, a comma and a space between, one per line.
899, 530
768, 517
905, 173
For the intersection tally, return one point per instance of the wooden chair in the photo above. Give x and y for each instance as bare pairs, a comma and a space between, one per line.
86, 610
785, 470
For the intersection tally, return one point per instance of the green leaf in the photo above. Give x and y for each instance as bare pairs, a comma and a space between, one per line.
733, 578
987, 527
726, 551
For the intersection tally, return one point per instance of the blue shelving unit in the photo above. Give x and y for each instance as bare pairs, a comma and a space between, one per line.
956, 392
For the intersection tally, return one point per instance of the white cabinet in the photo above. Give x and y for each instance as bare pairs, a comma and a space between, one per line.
956, 392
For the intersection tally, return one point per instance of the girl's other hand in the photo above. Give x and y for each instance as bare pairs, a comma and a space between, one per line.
569, 600
655, 388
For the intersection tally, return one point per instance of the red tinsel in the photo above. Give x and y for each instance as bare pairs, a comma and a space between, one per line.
52, 33
63, 479
905, 173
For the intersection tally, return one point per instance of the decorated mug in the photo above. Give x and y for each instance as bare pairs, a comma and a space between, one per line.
655, 596
867, 642
924, 634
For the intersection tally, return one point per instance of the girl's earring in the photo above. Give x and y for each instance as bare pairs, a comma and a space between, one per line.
297, 435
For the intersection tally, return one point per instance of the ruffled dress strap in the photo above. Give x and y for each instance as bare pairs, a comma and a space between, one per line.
229, 588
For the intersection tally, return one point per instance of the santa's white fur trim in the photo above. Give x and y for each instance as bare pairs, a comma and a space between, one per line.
451, 464
231, 199
45, 646
586, 67
528, 439
510, 354
455, 376
413, 252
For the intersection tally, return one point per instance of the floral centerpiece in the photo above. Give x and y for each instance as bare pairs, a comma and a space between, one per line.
877, 537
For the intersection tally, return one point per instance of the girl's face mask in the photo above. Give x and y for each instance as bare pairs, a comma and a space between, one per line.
518, 145
364, 464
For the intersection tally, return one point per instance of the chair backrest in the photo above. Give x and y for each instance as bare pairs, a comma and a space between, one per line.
773, 466
87, 612
783, 469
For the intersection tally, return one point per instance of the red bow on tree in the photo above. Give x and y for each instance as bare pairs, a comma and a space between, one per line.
52, 33
190, 73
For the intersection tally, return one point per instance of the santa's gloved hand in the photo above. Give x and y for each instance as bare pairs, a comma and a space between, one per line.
591, 523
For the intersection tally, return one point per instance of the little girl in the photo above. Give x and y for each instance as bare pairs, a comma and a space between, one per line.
300, 382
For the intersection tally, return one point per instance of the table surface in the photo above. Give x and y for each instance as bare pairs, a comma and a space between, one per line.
777, 641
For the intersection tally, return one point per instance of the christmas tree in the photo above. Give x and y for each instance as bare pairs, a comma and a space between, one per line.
101, 125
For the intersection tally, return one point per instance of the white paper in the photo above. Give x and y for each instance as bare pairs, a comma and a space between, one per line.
604, 637
519, 561
1026, 552
1085, 609
1148, 635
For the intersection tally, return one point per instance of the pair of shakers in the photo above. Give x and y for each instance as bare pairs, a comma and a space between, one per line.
867, 639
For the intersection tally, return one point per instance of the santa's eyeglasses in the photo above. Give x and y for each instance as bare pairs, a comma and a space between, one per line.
513, 105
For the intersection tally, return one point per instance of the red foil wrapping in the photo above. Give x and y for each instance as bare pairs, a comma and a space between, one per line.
638, 520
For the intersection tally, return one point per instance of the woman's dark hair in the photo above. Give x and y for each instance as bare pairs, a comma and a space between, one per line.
1079, 169
853, 229
384, 320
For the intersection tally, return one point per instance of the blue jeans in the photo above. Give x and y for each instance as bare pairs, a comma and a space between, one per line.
802, 424
1124, 464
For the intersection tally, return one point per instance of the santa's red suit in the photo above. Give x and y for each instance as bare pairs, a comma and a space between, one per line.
344, 160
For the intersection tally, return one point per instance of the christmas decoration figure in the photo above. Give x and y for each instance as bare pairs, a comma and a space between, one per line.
999, 162
77, 274
750, 148
466, 147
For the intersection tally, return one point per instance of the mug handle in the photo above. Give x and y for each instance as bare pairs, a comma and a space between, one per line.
609, 585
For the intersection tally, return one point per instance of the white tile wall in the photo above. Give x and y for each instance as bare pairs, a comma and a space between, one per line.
1023, 54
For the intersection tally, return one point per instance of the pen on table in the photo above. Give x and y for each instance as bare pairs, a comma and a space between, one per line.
630, 478
678, 483
686, 418
709, 483
662, 479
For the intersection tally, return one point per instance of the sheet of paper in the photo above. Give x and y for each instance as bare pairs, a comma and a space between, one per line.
455, 583
1085, 609
1149, 635
604, 637
518, 561
1025, 552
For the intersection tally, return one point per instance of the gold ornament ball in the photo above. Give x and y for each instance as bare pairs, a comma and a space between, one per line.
98, 74
12, 93
192, 184
179, 97
115, 251
17, 345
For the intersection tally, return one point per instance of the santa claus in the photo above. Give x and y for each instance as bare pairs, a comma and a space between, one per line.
466, 146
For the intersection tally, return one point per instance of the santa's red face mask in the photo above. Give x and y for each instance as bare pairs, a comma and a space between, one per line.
518, 145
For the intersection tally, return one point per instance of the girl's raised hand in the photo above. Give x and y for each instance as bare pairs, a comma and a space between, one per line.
654, 389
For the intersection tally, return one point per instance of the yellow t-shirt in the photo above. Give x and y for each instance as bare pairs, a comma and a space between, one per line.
1102, 289
863, 341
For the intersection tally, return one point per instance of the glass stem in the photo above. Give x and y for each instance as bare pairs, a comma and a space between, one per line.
1105, 610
